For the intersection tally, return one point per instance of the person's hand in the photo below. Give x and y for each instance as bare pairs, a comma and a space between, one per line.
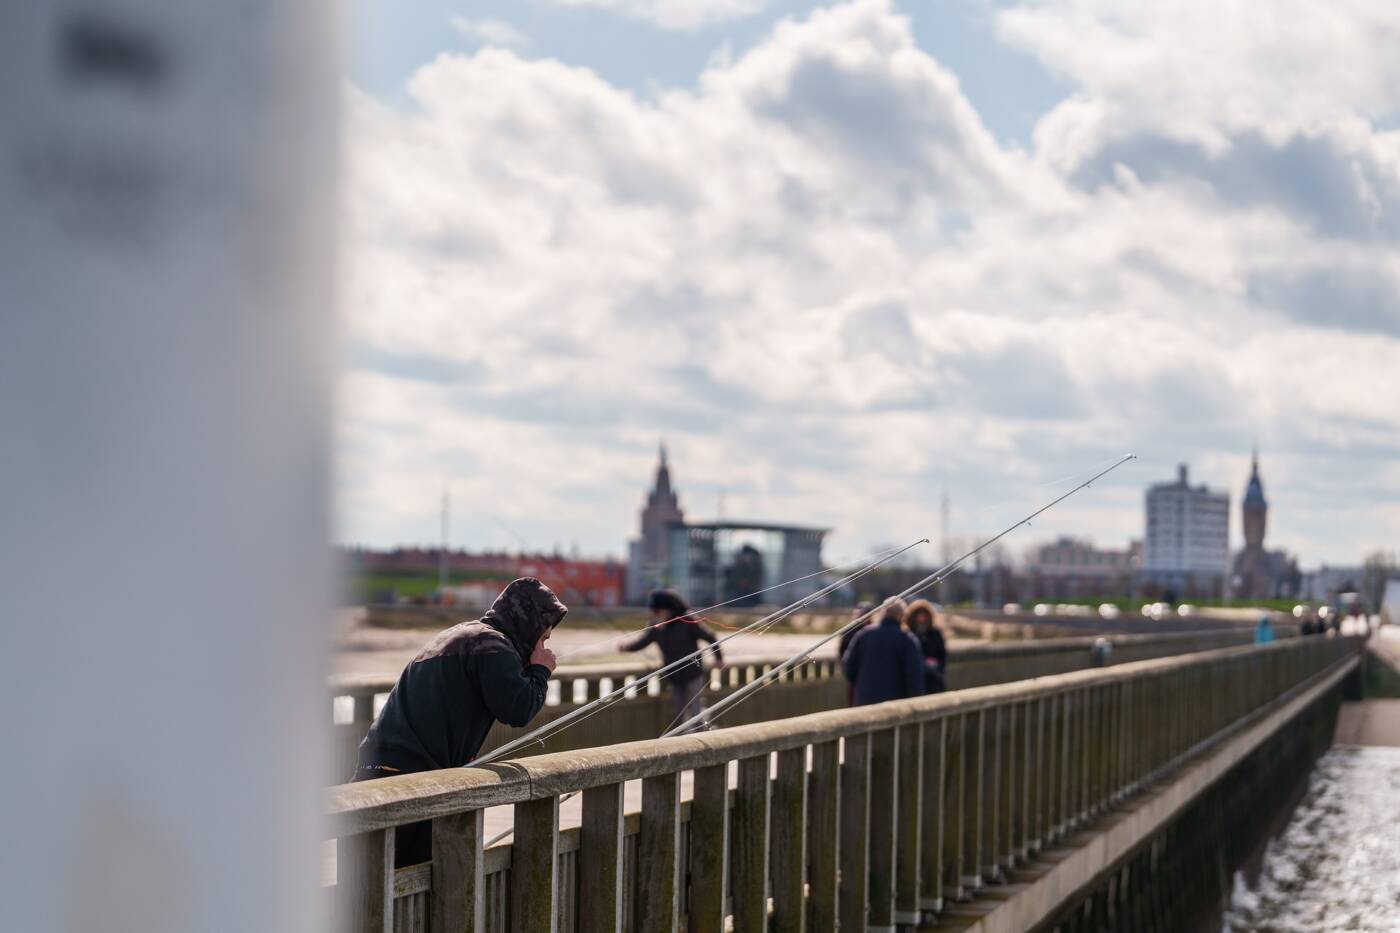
719, 664
542, 655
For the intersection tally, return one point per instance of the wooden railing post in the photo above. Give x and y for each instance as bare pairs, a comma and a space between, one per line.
459, 886
788, 854
534, 867
1054, 726
823, 828
954, 813
1008, 761
1069, 715
362, 708
748, 844
909, 823
599, 861
884, 770
989, 793
658, 851
1025, 822
855, 838
709, 849
973, 796
365, 881
931, 795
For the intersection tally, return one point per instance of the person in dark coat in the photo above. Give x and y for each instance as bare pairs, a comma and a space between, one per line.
922, 622
844, 642
469, 677
677, 633
884, 661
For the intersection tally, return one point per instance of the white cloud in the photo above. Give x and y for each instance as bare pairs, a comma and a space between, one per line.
822, 279
1200, 69
674, 14
490, 31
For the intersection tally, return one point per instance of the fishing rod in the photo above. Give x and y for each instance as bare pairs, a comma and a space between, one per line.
563, 722
584, 712
768, 677
698, 613
802, 656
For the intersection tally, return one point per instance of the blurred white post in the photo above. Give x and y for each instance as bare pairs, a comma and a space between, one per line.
167, 176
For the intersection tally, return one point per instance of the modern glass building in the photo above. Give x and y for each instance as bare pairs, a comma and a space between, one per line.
713, 562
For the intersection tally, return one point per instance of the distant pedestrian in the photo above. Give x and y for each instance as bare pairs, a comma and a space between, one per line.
884, 661
678, 634
469, 677
1264, 631
861, 610
922, 622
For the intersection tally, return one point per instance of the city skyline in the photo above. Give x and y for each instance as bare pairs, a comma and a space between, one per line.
1058, 252
660, 507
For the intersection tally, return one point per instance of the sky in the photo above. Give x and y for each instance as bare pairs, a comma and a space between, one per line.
843, 258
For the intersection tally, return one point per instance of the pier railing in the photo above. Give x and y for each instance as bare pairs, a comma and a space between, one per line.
811, 688
863, 818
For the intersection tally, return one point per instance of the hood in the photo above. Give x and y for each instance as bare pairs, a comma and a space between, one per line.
523, 611
919, 605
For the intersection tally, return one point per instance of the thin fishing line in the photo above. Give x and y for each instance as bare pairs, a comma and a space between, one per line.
584, 713
620, 694
749, 689
534, 737
574, 652
568, 719
678, 716
1076, 475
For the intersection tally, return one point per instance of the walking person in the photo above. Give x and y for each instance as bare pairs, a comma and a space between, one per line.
884, 661
678, 634
469, 677
922, 622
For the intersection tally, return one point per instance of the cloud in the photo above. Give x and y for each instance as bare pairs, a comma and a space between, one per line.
834, 293
673, 14
1199, 69
490, 31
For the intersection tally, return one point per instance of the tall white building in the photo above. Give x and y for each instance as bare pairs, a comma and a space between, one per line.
1187, 544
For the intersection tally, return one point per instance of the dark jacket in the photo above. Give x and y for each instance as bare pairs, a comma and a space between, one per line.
469, 676
843, 644
678, 638
884, 663
935, 652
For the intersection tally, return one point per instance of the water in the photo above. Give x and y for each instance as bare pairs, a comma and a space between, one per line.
1337, 864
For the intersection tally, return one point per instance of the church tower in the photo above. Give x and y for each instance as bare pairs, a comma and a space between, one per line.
650, 553
1251, 577
663, 508
1255, 508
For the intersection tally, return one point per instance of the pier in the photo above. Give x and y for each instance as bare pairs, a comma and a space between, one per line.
1047, 802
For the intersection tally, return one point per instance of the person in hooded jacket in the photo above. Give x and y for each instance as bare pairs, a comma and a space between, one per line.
1263, 631
922, 622
678, 634
884, 661
469, 677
